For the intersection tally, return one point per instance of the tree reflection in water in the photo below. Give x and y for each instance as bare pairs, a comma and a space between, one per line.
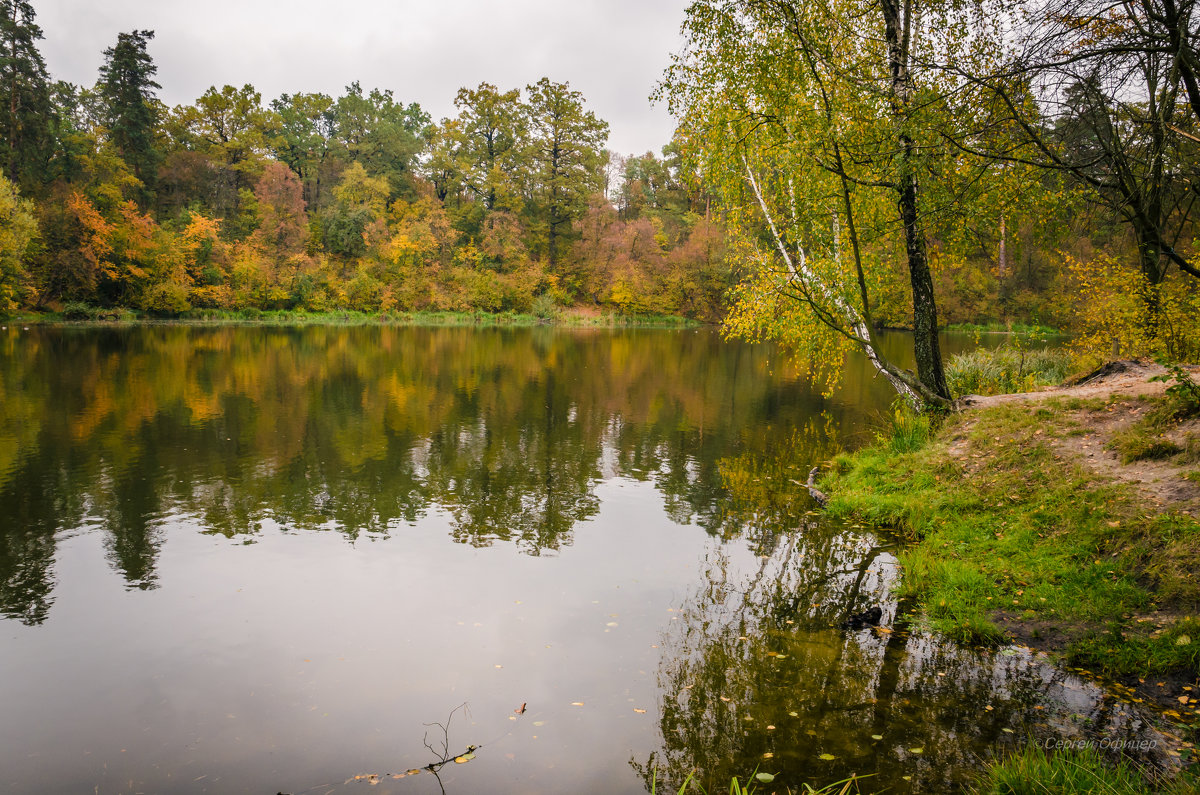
755, 674
364, 430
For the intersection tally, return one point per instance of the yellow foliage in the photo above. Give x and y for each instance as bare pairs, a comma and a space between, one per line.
1115, 318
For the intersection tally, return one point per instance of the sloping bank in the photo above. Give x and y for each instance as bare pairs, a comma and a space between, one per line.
1064, 520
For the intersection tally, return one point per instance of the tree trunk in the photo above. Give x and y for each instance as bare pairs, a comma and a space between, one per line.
925, 324
898, 31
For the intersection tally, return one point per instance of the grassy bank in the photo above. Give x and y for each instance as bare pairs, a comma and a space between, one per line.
1015, 536
562, 317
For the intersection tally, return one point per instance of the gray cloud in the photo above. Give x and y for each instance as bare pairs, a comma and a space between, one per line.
612, 50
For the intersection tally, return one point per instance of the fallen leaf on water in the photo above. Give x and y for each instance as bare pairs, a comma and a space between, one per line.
1183, 699
770, 728
639, 711
576, 703
876, 736
724, 698
521, 709
794, 714
1007, 731
765, 778
916, 750
611, 624
539, 723
768, 755
827, 757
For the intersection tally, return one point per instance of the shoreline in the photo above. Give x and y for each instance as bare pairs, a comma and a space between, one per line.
1064, 521
566, 318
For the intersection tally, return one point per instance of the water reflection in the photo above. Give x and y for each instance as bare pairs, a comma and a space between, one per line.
756, 674
363, 430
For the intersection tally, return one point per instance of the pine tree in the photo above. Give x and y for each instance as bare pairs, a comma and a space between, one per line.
25, 108
127, 87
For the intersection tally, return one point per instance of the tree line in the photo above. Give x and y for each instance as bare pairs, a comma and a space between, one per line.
313, 202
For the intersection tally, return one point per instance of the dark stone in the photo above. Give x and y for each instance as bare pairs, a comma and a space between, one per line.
867, 618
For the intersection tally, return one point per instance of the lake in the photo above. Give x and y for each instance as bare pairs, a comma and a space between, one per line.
313, 559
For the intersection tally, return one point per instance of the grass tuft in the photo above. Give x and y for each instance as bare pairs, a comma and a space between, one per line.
1034, 771
1006, 370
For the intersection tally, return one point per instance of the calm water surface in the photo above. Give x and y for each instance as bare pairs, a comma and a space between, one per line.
264, 560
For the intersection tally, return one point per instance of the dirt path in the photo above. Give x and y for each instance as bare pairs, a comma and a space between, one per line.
1163, 483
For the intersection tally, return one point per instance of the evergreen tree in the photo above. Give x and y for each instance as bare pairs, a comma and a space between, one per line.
25, 108
127, 87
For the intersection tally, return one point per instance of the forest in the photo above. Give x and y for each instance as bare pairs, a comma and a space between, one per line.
1046, 176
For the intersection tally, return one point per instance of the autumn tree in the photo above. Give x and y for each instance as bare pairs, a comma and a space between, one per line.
1107, 95
820, 124
489, 137
18, 229
127, 87
303, 139
381, 134
567, 145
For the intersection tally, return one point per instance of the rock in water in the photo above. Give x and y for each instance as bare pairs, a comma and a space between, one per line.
867, 618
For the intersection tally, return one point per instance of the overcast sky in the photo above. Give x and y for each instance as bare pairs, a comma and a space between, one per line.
613, 51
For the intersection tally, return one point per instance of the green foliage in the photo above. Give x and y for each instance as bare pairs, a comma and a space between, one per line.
18, 230
27, 116
1183, 389
1007, 369
131, 112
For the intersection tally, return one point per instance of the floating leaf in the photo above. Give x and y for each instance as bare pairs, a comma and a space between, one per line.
576, 703
539, 723
827, 757
1007, 731
521, 709
916, 750
639, 711
765, 778
876, 736
768, 755
794, 714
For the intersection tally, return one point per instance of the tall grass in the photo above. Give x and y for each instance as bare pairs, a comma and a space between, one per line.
1007, 369
1033, 771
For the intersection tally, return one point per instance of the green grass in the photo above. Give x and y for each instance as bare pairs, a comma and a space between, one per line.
1003, 530
1006, 370
1033, 771
1145, 439
565, 317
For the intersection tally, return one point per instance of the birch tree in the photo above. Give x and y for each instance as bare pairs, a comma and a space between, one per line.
820, 123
